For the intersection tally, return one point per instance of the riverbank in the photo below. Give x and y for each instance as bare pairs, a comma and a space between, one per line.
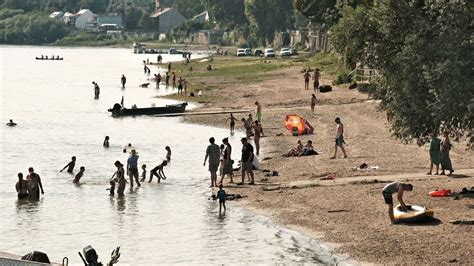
350, 213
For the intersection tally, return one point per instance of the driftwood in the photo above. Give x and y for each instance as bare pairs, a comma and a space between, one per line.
460, 222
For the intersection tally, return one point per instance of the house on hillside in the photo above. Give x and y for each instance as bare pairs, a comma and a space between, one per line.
202, 17
69, 18
83, 18
168, 18
110, 19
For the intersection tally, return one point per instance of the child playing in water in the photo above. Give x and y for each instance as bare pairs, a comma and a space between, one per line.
158, 172
143, 172
79, 175
221, 196
70, 165
112, 187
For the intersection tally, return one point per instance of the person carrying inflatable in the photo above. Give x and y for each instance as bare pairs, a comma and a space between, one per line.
389, 190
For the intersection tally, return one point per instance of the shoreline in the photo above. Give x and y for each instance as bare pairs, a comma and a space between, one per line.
302, 202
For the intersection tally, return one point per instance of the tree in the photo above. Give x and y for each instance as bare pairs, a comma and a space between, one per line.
227, 12
314, 9
268, 16
423, 52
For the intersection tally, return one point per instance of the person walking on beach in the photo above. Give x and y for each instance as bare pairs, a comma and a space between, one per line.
167, 79
232, 123
70, 165
159, 59
173, 77
169, 66
213, 153
316, 76
221, 196
434, 154
307, 75
158, 80
119, 178
389, 190
132, 168
227, 164
79, 175
313, 102
185, 87
34, 184
339, 138
258, 114
258, 133
168, 153
123, 80
21, 187
106, 142
445, 159
247, 161
180, 85
158, 172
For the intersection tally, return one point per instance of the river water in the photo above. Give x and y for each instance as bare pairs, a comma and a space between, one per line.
172, 222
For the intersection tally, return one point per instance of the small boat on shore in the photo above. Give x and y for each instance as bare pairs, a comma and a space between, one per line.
52, 59
117, 110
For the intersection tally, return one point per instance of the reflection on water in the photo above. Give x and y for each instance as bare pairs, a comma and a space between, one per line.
171, 222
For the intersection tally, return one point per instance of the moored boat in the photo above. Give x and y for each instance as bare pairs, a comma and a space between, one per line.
117, 110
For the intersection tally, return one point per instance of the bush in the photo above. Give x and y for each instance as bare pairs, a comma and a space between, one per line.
366, 87
344, 77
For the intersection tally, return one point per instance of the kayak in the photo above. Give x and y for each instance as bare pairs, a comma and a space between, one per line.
414, 213
440, 193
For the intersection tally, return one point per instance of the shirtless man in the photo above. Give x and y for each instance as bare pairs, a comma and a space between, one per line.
21, 187
123, 80
339, 138
389, 190
306, 80
259, 111
316, 76
258, 133
79, 175
11, 123
34, 184
70, 165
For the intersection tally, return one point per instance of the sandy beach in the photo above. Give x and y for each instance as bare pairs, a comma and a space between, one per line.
348, 211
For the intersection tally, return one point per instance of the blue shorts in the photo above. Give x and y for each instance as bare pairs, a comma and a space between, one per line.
340, 140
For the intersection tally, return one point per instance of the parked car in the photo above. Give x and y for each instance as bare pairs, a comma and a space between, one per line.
172, 51
269, 52
258, 52
285, 52
240, 52
293, 52
248, 52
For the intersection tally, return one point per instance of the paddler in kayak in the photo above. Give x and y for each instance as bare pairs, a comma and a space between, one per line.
389, 190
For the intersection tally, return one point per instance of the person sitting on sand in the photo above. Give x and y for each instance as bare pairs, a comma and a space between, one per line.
79, 175
106, 142
168, 153
221, 196
158, 172
389, 190
296, 150
21, 187
11, 123
70, 165
307, 149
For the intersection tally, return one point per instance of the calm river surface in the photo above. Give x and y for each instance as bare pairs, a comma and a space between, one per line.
172, 222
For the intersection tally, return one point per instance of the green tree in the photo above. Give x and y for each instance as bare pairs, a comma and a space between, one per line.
423, 51
227, 12
314, 9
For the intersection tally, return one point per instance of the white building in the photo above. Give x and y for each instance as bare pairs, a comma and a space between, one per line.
83, 18
168, 18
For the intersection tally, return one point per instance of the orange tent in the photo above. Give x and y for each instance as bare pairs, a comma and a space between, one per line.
297, 125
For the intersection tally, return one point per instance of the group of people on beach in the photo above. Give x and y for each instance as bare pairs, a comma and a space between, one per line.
439, 154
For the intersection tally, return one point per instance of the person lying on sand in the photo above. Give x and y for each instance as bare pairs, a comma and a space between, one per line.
295, 151
389, 190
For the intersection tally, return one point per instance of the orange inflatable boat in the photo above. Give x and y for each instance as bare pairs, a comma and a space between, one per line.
441, 193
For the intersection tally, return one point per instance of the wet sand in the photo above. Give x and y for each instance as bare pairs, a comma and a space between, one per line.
349, 211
